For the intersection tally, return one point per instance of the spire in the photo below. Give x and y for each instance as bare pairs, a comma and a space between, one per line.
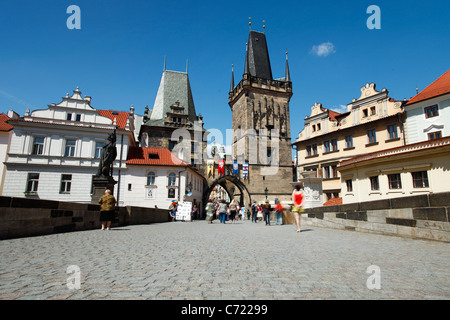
232, 78
165, 60
246, 68
287, 76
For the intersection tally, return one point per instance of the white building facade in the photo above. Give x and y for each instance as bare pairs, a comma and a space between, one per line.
428, 113
55, 152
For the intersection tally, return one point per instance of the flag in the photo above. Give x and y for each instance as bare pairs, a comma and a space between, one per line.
221, 169
235, 168
245, 170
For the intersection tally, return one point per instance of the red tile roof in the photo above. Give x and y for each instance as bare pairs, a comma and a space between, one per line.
3, 125
439, 87
333, 202
121, 117
153, 157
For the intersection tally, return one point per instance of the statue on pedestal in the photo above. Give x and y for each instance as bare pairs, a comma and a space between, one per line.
109, 154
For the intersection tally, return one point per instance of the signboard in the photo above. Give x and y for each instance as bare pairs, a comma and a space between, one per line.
184, 210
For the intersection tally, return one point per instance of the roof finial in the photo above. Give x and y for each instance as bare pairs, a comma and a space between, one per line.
165, 60
287, 76
264, 26
232, 78
250, 23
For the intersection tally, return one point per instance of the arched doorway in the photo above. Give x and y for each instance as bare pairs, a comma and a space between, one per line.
228, 182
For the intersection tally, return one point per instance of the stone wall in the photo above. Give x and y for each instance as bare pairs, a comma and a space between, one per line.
417, 217
22, 217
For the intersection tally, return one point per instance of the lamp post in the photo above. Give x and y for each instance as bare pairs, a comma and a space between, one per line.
266, 191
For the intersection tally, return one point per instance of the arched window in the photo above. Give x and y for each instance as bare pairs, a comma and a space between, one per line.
172, 179
150, 178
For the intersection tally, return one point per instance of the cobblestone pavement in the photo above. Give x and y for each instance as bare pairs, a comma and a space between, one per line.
196, 260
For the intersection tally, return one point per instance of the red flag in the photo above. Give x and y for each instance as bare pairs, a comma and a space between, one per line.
222, 167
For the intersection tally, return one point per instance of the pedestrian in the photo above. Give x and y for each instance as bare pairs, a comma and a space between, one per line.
279, 211
254, 211
297, 199
248, 214
107, 209
210, 211
233, 210
242, 213
222, 211
195, 212
259, 215
267, 208
173, 210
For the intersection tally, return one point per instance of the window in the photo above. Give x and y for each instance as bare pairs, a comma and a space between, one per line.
314, 128
172, 179
314, 149
334, 145
371, 136
431, 112
70, 148
373, 111
66, 182
435, 135
78, 117
311, 150
374, 185
98, 150
420, 179
365, 113
394, 181
330, 172
153, 156
326, 147
392, 132
348, 142
32, 182
318, 126
349, 185
150, 178
69, 116
38, 145
172, 145
326, 172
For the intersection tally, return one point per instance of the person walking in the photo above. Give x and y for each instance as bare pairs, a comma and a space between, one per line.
297, 199
223, 211
259, 215
254, 211
107, 209
279, 211
266, 209
233, 210
210, 207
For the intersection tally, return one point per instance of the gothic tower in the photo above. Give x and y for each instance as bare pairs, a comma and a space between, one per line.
261, 124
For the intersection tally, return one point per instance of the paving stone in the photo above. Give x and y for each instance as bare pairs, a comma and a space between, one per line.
234, 261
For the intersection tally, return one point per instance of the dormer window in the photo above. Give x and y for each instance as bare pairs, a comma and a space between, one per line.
69, 117
78, 118
153, 156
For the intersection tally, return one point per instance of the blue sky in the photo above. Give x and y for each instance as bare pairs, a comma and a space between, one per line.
117, 56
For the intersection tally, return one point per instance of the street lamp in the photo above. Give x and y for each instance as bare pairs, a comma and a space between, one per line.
266, 191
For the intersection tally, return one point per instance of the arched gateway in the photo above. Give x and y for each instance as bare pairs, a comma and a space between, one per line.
228, 182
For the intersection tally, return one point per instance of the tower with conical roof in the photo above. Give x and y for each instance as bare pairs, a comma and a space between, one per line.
261, 123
